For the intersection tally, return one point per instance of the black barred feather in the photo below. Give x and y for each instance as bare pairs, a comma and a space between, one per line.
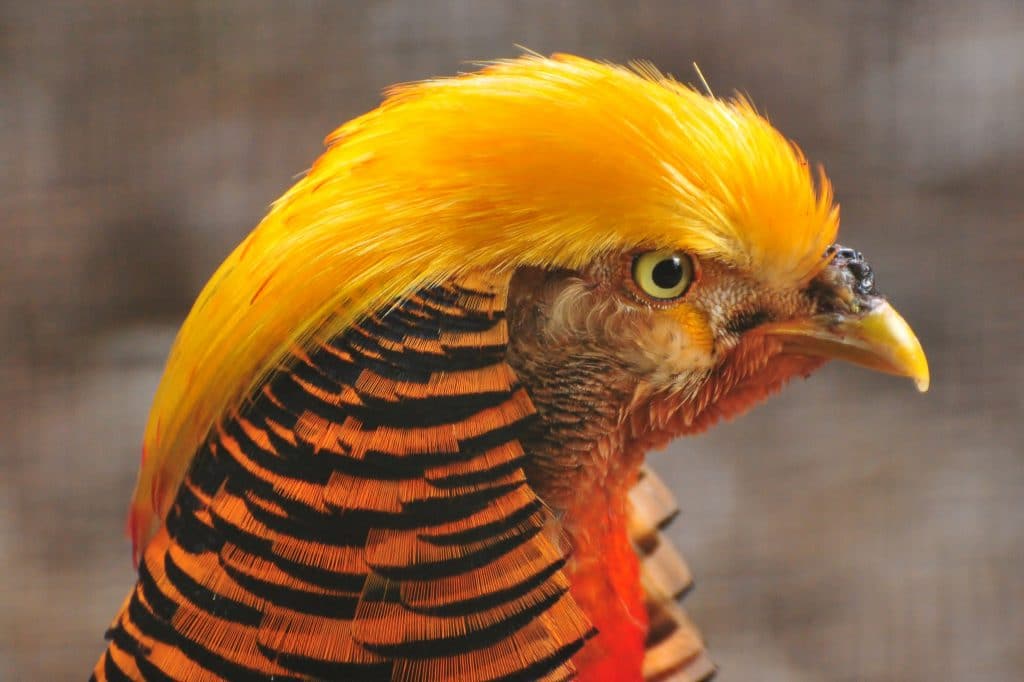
363, 517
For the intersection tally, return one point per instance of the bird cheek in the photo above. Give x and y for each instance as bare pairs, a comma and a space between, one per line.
688, 342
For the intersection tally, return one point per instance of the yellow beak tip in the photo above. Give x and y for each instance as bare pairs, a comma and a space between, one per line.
888, 333
922, 382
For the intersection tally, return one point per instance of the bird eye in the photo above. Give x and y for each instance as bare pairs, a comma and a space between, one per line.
664, 274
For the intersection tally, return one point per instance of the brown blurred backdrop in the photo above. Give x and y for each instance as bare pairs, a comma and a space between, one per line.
848, 530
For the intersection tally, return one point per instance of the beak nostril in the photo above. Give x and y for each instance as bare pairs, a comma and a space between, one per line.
848, 270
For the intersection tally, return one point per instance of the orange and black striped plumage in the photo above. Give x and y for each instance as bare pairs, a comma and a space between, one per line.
364, 516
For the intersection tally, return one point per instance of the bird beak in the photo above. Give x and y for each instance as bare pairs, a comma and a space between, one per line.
878, 339
854, 323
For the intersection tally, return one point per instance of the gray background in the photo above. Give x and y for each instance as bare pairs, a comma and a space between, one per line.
847, 530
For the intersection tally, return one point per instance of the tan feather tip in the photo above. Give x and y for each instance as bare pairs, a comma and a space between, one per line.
664, 573
652, 505
676, 651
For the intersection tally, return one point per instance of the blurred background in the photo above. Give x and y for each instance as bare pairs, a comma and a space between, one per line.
849, 529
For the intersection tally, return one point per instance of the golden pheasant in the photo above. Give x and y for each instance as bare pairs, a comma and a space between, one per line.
401, 434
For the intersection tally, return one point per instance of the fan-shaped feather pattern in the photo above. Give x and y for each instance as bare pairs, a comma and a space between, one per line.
364, 516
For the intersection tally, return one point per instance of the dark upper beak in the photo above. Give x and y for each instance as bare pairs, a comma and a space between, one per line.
854, 323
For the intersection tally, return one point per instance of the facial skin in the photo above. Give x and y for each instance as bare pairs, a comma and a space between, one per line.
600, 357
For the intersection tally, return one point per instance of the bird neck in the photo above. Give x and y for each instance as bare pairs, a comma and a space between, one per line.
582, 463
605, 573
585, 478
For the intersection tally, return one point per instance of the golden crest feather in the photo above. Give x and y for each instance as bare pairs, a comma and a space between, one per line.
532, 161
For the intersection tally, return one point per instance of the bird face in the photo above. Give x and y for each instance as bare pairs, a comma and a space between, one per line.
647, 344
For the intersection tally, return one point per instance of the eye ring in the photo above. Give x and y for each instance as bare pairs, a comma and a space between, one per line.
663, 275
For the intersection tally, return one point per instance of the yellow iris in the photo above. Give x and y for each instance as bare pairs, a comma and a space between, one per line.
663, 274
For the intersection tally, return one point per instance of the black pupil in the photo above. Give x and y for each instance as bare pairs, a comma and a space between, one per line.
667, 274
